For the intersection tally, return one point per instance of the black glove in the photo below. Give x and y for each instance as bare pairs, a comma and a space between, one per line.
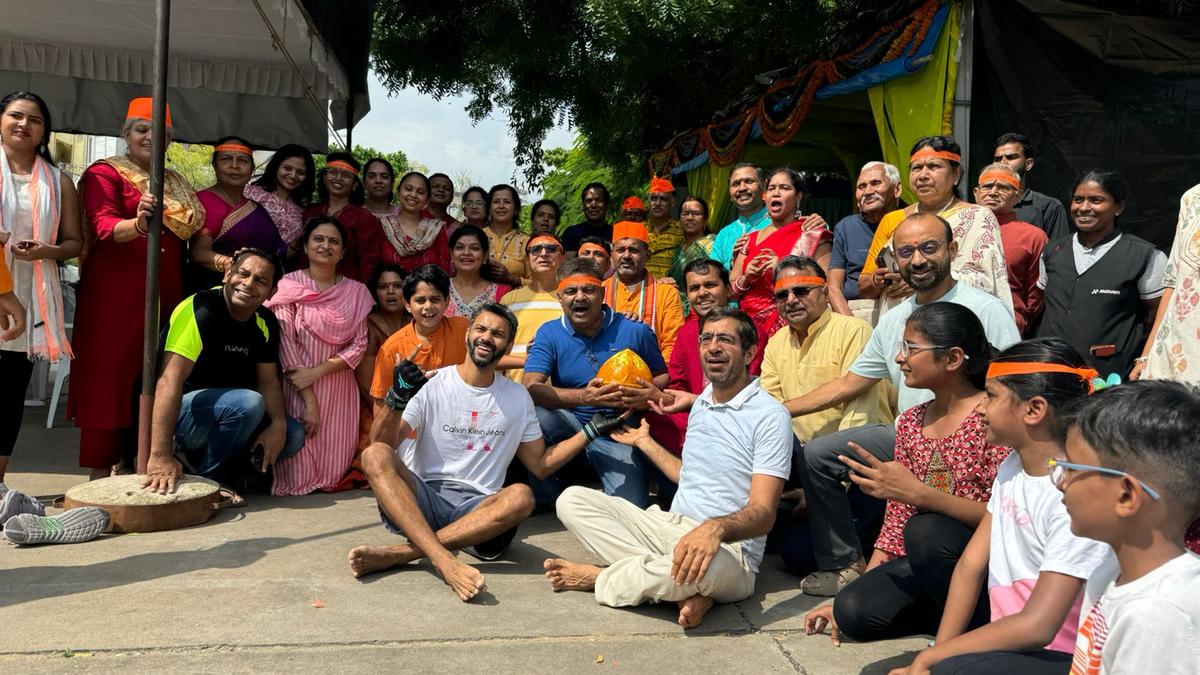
601, 425
407, 380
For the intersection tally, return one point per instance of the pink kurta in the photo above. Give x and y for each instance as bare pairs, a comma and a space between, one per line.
316, 326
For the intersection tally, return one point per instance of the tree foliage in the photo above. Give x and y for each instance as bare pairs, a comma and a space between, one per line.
568, 170
397, 159
192, 161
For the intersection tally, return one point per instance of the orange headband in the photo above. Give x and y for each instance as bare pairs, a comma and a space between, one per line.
1002, 177
234, 147
542, 238
927, 153
593, 247
344, 166
1005, 368
579, 280
797, 280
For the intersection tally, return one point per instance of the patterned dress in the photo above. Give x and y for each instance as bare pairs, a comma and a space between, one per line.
1175, 354
963, 464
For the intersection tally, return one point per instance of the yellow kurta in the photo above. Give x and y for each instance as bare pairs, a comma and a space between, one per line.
792, 368
668, 311
509, 250
663, 246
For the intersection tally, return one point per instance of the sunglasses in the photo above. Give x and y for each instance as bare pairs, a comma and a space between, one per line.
798, 291
538, 249
1060, 469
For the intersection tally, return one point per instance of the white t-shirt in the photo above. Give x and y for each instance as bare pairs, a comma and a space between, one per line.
1031, 534
1149, 625
469, 434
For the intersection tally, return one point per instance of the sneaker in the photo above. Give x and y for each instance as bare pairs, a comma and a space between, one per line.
69, 527
14, 503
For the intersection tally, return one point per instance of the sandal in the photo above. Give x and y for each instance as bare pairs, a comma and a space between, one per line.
230, 499
826, 583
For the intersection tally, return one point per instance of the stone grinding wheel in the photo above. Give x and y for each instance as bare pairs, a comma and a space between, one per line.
136, 510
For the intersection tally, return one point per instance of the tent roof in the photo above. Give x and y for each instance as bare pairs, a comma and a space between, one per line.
227, 73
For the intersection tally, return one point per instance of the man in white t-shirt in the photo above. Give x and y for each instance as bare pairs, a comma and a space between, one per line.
468, 424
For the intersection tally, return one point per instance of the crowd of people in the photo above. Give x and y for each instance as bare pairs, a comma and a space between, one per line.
907, 407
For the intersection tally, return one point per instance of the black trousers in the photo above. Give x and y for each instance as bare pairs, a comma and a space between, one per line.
1041, 662
15, 371
906, 596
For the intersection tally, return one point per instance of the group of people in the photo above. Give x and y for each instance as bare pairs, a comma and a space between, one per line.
904, 402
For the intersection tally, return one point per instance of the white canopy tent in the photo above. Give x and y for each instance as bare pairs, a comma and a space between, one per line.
257, 68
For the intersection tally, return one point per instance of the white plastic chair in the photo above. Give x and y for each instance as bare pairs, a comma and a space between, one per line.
61, 369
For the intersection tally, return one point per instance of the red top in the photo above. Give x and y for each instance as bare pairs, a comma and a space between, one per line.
791, 239
108, 320
1023, 244
438, 253
963, 464
365, 242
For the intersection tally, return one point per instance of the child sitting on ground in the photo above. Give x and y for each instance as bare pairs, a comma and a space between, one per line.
1129, 479
1034, 566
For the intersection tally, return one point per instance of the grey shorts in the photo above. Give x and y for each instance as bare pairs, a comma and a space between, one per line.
444, 501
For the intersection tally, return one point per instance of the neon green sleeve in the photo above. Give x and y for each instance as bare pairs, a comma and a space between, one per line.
183, 335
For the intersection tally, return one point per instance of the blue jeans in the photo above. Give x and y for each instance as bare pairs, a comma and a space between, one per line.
222, 422
624, 471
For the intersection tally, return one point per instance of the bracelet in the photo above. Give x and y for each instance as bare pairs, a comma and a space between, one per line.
1141, 359
137, 225
737, 285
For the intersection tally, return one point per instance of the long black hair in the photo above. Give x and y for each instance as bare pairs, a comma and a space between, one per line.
43, 148
269, 180
948, 325
358, 196
1060, 390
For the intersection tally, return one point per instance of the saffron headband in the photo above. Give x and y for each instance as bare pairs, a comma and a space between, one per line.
579, 280
930, 153
593, 247
1004, 368
1001, 177
344, 166
796, 280
234, 147
542, 238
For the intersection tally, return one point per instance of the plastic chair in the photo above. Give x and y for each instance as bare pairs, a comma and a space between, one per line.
61, 369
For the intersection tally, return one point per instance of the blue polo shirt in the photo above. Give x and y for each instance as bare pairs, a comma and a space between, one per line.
572, 360
722, 250
852, 238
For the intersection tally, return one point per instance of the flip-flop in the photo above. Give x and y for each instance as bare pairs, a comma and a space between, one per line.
230, 499
827, 583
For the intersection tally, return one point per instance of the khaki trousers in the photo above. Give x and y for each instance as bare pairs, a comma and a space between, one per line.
637, 545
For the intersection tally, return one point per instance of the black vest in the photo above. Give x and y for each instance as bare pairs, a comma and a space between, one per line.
1102, 306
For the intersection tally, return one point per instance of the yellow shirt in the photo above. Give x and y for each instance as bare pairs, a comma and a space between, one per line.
532, 309
792, 368
508, 250
668, 311
663, 246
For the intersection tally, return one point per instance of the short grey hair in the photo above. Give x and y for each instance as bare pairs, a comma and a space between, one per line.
125, 128
892, 173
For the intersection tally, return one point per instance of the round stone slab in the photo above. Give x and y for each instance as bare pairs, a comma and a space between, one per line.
134, 509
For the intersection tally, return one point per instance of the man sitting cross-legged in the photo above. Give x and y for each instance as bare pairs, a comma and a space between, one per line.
707, 548
469, 424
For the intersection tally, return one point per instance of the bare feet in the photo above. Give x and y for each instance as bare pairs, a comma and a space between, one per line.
692, 610
464, 580
367, 559
568, 576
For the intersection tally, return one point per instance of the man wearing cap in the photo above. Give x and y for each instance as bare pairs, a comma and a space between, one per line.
535, 303
635, 292
665, 233
999, 189
560, 372
633, 209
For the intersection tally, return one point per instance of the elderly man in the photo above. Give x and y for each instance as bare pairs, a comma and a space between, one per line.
595, 212
535, 303
746, 193
636, 293
560, 373
707, 548
665, 232
469, 423
633, 208
998, 189
218, 393
1019, 153
877, 193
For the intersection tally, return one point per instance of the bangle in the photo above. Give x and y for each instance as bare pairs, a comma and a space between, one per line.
1141, 359
137, 225
737, 285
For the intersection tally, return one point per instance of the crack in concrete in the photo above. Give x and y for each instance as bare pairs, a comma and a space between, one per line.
785, 652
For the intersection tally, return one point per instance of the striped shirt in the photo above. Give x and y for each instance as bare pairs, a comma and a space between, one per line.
532, 309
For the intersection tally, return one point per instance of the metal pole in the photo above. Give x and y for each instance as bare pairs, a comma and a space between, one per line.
350, 124
158, 151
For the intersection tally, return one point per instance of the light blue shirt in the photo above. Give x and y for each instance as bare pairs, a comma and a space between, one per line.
726, 444
878, 359
722, 250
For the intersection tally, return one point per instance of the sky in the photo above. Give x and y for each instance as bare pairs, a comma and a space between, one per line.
440, 135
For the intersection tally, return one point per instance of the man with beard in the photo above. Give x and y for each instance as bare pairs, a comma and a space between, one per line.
665, 233
595, 212
999, 188
535, 303
1019, 153
470, 423
707, 548
560, 373
877, 193
636, 293
745, 191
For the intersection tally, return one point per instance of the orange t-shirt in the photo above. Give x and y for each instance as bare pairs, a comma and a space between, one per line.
6, 284
447, 346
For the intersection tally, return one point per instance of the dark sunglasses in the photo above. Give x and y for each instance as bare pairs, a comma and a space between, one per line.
538, 249
798, 291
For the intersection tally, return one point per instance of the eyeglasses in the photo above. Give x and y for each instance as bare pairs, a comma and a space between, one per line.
1060, 469
906, 348
339, 173
721, 338
798, 291
1003, 188
538, 249
927, 248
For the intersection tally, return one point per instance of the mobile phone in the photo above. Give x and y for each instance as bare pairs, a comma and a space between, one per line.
887, 260
22, 245
1103, 351
258, 458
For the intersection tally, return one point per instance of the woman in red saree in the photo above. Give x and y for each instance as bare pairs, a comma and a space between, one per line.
754, 268
341, 193
109, 317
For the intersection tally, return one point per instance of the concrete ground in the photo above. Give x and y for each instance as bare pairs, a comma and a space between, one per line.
267, 589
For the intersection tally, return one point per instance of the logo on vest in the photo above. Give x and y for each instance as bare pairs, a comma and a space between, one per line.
1105, 291
237, 349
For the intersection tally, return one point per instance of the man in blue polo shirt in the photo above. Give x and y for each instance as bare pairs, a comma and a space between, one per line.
560, 372
745, 191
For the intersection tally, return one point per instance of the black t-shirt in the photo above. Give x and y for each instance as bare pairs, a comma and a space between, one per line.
574, 234
226, 351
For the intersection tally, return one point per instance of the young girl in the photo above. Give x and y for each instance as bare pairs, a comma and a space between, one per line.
936, 488
1034, 567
